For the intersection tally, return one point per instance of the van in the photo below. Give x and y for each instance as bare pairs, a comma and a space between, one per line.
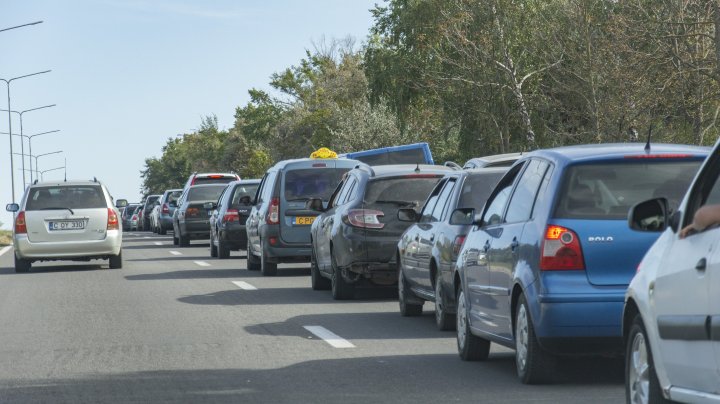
416, 153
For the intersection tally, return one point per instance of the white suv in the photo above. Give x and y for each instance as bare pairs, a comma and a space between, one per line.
671, 321
66, 221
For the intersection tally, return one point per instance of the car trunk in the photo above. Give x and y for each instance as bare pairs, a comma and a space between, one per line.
60, 225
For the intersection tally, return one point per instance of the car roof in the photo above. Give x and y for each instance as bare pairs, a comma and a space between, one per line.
399, 169
172, 190
495, 158
64, 183
612, 151
247, 182
209, 174
307, 162
208, 185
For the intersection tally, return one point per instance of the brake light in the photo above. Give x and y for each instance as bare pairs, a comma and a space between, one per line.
273, 216
659, 156
231, 215
561, 250
20, 225
365, 218
112, 223
193, 181
457, 245
165, 208
192, 212
134, 217
319, 165
215, 176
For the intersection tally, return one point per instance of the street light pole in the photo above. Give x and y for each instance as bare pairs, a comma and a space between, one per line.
22, 143
44, 154
20, 26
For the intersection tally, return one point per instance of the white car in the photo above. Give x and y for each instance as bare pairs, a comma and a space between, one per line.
671, 320
66, 221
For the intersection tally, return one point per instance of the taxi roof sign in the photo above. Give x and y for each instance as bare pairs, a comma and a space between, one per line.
323, 153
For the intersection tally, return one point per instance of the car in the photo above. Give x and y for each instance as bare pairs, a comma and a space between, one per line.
210, 178
191, 217
127, 215
546, 266
229, 215
150, 202
416, 153
139, 212
355, 236
496, 160
278, 228
163, 213
671, 316
71, 220
428, 249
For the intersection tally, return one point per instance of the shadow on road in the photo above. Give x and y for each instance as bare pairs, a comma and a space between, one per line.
189, 274
58, 268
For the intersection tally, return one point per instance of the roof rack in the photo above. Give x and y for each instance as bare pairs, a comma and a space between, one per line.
366, 168
453, 165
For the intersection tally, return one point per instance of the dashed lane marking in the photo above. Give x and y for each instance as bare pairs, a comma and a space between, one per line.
244, 285
5, 249
328, 336
158, 243
202, 263
173, 252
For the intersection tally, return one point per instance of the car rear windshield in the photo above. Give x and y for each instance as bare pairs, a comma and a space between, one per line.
214, 179
211, 193
608, 191
246, 191
477, 188
66, 196
409, 191
173, 196
129, 210
151, 199
312, 183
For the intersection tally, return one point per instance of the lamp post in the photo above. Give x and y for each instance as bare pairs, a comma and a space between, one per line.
22, 144
45, 171
44, 154
12, 166
20, 26
29, 138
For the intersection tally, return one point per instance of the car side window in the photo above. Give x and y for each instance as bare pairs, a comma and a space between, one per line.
268, 185
706, 190
334, 197
442, 201
426, 214
523, 199
345, 197
496, 204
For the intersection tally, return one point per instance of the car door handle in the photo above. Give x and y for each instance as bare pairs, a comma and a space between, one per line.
701, 265
514, 244
486, 247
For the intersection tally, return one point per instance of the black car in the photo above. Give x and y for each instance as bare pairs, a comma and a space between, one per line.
191, 219
428, 249
227, 222
356, 236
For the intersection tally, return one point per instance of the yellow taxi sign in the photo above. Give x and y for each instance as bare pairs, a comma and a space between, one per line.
323, 153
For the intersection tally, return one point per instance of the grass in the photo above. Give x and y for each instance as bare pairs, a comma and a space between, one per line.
5, 237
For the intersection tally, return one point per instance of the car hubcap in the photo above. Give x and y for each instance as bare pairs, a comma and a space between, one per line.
639, 377
461, 320
521, 338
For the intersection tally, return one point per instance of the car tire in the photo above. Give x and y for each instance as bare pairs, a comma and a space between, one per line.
443, 320
183, 241
641, 382
146, 224
410, 305
116, 261
22, 265
213, 248
534, 364
223, 251
341, 289
176, 241
162, 231
470, 347
253, 263
317, 281
267, 268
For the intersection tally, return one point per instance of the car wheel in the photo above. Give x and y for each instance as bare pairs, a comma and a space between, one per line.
641, 382
534, 364
183, 241
22, 265
223, 251
267, 268
213, 248
317, 281
253, 263
341, 289
470, 347
445, 321
146, 224
409, 306
162, 231
116, 261
176, 241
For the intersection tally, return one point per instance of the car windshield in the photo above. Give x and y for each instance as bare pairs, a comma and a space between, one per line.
609, 190
210, 193
406, 191
66, 197
246, 191
312, 183
477, 188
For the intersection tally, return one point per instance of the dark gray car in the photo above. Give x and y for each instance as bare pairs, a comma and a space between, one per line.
227, 222
168, 204
191, 219
428, 249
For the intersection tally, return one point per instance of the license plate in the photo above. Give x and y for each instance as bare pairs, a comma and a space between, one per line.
304, 220
67, 225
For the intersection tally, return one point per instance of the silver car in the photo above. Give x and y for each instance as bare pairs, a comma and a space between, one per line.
66, 221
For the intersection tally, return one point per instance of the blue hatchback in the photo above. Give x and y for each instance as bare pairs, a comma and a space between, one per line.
545, 268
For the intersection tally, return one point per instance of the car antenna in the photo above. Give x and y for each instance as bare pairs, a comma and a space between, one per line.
647, 145
417, 168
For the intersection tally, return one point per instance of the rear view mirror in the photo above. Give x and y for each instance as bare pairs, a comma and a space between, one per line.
209, 205
407, 215
121, 203
463, 216
12, 207
649, 216
315, 204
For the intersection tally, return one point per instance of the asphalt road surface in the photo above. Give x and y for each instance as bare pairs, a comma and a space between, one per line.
175, 325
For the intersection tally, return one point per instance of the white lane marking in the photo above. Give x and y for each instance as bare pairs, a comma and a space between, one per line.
244, 285
329, 337
158, 243
147, 237
202, 263
5, 249
173, 252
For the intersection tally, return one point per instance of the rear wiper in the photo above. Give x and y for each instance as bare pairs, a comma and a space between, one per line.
400, 203
58, 208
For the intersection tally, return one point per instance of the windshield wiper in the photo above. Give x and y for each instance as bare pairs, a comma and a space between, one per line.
57, 208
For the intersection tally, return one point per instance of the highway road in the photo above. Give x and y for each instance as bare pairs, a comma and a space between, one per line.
175, 325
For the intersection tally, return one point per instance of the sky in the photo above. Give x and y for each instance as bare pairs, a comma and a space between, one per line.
126, 75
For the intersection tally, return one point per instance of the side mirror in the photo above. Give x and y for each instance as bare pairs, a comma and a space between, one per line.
121, 203
650, 215
209, 205
408, 215
245, 200
12, 207
463, 216
315, 204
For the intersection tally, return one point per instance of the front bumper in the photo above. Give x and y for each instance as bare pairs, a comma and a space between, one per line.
68, 250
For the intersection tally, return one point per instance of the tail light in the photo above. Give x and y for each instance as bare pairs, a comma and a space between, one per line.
231, 215
192, 212
561, 250
165, 208
366, 218
20, 225
112, 223
457, 245
273, 216
134, 217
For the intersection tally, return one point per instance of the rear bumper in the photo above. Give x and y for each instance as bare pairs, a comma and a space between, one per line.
281, 251
372, 257
234, 236
104, 248
166, 222
195, 229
